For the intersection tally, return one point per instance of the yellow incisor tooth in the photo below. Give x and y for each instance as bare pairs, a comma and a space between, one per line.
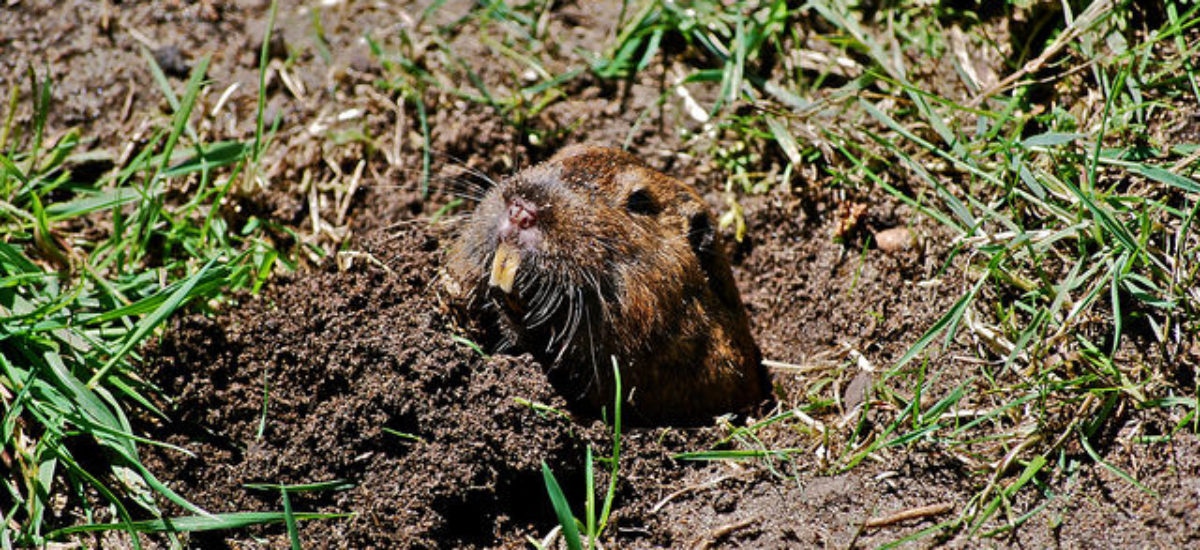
504, 267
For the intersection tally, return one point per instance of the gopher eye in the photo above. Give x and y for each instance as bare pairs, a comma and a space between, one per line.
640, 202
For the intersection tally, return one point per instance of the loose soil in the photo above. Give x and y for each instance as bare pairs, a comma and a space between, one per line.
351, 368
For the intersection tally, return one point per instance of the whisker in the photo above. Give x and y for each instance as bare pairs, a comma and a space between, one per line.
592, 354
460, 163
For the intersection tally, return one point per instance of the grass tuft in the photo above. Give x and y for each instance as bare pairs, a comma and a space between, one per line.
75, 310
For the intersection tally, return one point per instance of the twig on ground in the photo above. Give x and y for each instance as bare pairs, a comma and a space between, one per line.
697, 487
1092, 14
909, 514
723, 531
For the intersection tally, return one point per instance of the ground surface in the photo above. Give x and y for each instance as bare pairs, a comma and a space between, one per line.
364, 381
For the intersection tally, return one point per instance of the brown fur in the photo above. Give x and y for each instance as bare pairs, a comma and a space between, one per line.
645, 280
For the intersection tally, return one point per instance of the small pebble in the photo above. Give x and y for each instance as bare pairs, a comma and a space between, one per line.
895, 239
856, 391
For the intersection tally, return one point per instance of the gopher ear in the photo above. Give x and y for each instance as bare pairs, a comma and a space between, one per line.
701, 234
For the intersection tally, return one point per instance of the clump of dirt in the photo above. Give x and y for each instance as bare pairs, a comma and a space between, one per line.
353, 375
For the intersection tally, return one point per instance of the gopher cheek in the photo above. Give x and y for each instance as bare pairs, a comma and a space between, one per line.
530, 239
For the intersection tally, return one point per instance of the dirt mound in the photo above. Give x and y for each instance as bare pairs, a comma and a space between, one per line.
364, 381
351, 375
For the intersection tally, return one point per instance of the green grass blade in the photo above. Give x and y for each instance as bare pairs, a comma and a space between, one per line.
950, 319
589, 508
210, 157
332, 485
92, 202
264, 55
558, 500
289, 520
234, 520
618, 397
1087, 446
183, 113
151, 321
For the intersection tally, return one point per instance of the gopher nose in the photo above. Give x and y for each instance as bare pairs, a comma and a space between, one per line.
519, 222
522, 213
